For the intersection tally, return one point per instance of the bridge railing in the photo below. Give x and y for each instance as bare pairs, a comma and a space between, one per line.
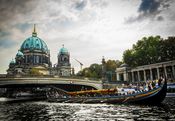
48, 76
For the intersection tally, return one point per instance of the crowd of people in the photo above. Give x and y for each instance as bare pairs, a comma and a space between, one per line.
133, 88
140, 86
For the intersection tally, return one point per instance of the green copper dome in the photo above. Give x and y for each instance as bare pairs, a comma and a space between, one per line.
63, 50
19, 54
12, 61
34, 43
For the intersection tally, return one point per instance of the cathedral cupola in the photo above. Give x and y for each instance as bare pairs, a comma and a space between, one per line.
63, 50
19, 54
63, 57
34, 43
19, 57
12, 61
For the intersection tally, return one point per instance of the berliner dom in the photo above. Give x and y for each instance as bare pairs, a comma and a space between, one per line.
33, 58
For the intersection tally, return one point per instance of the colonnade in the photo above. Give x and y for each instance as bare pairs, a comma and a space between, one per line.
147, 72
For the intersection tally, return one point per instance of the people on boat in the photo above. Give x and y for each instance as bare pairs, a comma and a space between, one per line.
128, 89
141, 86
159, 81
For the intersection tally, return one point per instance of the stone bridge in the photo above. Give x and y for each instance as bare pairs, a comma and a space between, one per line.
68, 84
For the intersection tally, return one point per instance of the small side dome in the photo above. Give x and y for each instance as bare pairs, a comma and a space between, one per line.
19, 54
12, 61
63, 50
123, 65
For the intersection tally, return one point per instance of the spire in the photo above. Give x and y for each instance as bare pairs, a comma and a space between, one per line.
34, 29
34, 33
103, 60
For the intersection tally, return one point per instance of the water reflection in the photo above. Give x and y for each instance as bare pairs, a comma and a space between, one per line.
44, 111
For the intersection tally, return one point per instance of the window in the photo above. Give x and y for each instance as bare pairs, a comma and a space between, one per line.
37, 59
27, 45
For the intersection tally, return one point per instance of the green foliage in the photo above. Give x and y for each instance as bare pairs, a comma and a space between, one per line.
111, 65
167, 49
95, 70
150, 50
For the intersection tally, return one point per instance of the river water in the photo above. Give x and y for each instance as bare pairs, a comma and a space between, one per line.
45, 111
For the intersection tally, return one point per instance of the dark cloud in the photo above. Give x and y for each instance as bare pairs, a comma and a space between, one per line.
29, 11
80, 5
10, 8
150, 9
21, 14
160, 18
149, 6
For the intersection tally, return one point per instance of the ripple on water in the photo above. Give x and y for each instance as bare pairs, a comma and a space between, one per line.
44, 111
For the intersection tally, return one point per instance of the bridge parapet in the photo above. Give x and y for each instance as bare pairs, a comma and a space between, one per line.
47, 81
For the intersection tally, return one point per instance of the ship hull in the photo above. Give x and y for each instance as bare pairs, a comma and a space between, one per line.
155, 96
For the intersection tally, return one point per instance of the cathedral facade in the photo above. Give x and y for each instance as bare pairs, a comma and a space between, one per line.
33, 58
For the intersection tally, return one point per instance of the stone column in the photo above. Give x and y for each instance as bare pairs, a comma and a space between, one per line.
151, 74
118, 77
115, 74
165, 71
144, 74
125, 76
173, 71
132, 76
158, 74
138, 75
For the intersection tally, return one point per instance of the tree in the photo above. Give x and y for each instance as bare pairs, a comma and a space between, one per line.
167, 50
111, 65
95, 70
150, 50
145, 51
128, 57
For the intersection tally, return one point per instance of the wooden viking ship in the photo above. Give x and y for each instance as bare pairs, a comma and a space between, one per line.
153, 96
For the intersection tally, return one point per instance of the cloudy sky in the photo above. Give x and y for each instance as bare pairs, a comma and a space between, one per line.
89, 29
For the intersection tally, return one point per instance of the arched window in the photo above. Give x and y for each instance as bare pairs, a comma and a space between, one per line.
27, 45
37, 59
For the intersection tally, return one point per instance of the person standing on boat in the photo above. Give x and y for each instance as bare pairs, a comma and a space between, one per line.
153, 84
160, 81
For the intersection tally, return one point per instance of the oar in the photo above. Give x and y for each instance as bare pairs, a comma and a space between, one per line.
125, 100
